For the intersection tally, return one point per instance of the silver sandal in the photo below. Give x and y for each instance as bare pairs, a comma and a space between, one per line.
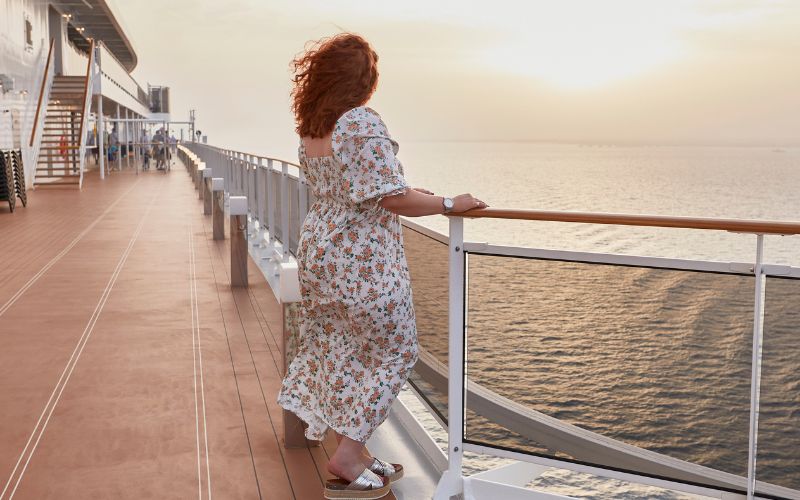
393, 472
367, 486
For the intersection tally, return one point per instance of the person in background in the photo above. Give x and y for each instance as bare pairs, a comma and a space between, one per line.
91, 145
113, 144
159, 149
144, 149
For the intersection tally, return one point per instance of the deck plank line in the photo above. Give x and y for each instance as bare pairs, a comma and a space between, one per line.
197, 359
256, 371
10, 302
73, 361
235, 375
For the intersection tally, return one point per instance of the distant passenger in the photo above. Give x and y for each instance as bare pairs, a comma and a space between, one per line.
160, 149
113, 145
359, 340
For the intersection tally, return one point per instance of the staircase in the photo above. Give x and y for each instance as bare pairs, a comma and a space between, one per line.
59, 160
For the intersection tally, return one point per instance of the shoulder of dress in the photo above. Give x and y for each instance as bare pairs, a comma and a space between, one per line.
359, 122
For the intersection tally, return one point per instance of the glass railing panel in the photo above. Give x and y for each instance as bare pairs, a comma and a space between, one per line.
261, 175
658, 359
295, 218
276, 203
779, 413
427, 264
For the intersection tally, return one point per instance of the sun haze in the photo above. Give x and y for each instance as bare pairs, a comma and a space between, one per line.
625, 71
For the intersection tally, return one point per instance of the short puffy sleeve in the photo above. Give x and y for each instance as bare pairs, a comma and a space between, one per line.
362, 144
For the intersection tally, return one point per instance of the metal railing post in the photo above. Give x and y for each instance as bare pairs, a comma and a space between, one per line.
218, 207
452, 481
285, 211
238, 211
302, 197
755, 380
270, 205
260, 197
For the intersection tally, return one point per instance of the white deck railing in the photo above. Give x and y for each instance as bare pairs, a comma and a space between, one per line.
278, 200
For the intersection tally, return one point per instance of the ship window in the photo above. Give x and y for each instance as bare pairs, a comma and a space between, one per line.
28, 33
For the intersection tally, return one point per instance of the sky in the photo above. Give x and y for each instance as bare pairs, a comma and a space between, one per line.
696, 72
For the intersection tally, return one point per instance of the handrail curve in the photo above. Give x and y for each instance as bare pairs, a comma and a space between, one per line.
87, 106
47, 70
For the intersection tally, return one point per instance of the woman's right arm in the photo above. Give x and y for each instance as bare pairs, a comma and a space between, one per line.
413, 203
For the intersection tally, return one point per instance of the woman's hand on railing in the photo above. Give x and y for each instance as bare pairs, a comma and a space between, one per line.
418, 202
464, 202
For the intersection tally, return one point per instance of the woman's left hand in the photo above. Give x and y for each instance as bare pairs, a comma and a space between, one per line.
423, 191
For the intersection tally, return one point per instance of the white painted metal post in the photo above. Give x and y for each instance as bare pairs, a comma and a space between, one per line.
302, 199
284, 211
270, 204
260, 197
119, 149
755, 379
452, 481
101, 151
136, 135
127, 139
101, 146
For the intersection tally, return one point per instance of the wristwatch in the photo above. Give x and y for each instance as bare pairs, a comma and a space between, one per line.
448, 204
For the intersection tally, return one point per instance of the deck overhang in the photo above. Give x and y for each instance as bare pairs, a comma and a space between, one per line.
99, 21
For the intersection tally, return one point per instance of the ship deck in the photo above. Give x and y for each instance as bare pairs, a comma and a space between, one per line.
129, 368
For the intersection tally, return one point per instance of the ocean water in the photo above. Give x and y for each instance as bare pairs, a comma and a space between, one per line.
744, 183
655, 358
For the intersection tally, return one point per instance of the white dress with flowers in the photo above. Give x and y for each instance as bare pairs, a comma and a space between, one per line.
358, 338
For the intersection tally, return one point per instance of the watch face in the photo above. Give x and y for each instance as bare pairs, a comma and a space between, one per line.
448, 203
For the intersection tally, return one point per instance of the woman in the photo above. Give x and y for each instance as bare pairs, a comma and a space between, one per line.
358, 341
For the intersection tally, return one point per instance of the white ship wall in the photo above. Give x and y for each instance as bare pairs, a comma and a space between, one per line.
23, 64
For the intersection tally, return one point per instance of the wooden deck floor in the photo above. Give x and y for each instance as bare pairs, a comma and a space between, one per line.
129, 368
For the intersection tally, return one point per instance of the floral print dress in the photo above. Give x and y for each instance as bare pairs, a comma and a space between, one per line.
358, 337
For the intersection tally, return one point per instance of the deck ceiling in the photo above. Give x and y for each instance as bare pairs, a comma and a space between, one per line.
100, 23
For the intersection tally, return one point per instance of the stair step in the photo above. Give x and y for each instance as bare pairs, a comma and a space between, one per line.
57, 183
57, 147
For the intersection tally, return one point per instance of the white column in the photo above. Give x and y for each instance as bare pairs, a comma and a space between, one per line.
127, 138
101, 130
119, 156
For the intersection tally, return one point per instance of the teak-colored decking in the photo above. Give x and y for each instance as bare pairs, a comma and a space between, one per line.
129, 368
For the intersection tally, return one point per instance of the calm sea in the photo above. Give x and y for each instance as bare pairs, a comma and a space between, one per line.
655, 358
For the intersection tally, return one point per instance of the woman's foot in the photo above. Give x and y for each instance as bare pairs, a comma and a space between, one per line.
346, 467
349, 461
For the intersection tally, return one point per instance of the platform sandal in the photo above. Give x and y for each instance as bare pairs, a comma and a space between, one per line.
367, 486
392, 472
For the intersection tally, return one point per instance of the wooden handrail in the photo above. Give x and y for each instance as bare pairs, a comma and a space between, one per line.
87, 94
733, 225
41, 91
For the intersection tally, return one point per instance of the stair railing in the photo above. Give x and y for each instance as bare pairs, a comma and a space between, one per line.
87, 107
37, 130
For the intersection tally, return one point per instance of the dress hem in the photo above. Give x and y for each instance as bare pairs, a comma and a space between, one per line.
308, 415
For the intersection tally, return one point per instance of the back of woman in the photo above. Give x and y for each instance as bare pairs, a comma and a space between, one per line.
358, 339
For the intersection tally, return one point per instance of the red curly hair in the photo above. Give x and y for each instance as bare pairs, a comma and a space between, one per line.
331, 77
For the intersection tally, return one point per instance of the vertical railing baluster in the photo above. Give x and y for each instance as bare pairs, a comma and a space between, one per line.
270, 203
285, 211
755, 379
451, 483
